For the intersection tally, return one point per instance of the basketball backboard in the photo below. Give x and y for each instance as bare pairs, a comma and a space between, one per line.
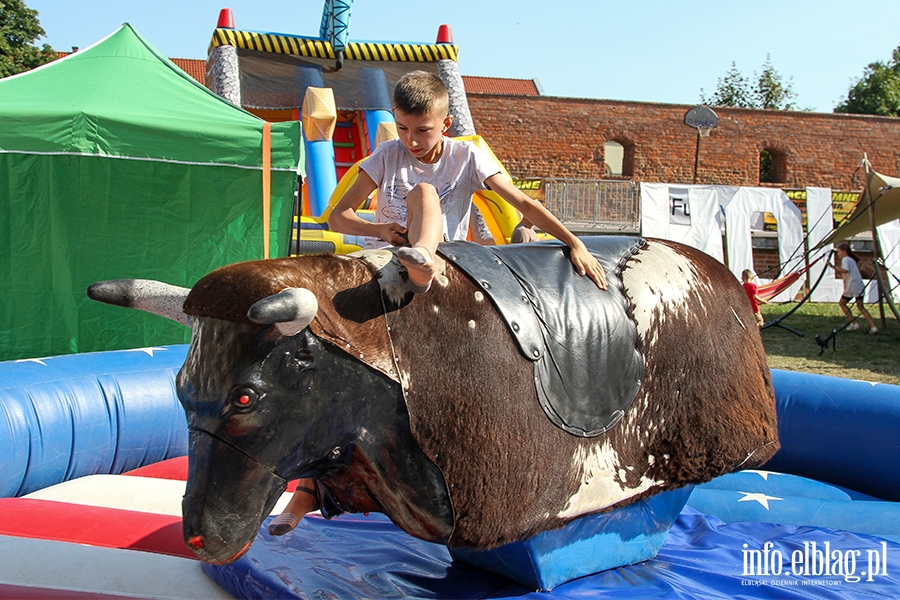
701, 117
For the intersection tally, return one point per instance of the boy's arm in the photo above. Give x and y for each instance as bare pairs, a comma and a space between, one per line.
343, 217
584, 261
760, 300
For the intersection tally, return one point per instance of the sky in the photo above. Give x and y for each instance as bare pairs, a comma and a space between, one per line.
642, 50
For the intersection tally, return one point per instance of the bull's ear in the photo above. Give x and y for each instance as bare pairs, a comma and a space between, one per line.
143, 294
290, 310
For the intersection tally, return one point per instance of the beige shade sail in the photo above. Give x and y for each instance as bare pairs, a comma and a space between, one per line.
883, 193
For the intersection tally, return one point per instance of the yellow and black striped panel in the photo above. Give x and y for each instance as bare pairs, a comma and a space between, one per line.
316, 48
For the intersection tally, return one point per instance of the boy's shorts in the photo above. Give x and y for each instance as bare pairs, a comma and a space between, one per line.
851, 298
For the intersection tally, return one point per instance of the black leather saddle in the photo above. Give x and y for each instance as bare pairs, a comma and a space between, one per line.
583, 340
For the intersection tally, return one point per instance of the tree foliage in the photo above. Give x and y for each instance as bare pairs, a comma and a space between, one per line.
765, 90
771, 91
877, 92
732, 90
19, 28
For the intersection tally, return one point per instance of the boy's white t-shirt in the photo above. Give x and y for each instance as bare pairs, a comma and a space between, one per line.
458, 173
853, 283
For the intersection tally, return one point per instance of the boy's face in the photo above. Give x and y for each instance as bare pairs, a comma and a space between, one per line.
421, 134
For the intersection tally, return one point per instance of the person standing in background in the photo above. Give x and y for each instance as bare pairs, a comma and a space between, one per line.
853, 286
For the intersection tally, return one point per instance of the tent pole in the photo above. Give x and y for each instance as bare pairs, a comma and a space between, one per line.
806, 252
889, 291
266, 187
877, 262
877, 259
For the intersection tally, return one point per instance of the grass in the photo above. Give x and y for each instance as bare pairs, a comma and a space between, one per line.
853, 355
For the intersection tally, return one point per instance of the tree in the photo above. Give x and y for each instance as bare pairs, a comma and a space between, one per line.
732, 90
877, 92
770, 92
19, 28
767, 91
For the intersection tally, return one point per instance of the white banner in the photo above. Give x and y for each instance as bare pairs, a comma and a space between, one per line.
889, 236
689, 214
738, 215
694, 215
820, 223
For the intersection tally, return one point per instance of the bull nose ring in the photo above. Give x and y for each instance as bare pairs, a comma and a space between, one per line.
196, 542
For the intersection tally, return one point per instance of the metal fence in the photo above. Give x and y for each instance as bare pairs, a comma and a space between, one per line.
586, 205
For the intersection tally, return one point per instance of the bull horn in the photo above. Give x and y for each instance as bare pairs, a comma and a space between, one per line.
290, 310
143, 294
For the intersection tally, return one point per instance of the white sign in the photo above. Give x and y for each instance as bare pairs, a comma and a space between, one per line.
679, 207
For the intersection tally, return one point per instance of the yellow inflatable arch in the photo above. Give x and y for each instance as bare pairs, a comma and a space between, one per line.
499, 216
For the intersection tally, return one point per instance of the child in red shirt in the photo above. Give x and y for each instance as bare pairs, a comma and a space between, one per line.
753, 294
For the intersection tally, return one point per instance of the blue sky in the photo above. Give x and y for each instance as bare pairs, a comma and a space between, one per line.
642, 50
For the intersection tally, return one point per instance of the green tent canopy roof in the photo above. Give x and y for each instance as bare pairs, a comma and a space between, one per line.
115, 164
122, 98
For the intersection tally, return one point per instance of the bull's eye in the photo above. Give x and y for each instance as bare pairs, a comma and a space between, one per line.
244, 398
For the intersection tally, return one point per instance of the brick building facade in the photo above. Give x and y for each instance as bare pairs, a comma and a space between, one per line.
543, 136
547, 136
538, 136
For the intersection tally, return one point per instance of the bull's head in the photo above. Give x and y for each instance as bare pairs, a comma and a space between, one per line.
267, 402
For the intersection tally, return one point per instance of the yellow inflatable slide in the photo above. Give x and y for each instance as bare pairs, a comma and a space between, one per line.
312, 235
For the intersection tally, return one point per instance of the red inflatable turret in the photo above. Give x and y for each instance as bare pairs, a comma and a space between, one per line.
445, 35
226, 19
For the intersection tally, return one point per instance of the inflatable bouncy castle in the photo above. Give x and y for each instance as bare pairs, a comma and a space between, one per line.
341, 91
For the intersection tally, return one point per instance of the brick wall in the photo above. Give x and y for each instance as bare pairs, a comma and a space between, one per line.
546, 136
766, 263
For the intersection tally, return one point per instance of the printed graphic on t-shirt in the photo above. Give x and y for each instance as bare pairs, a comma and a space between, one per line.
461, 171
395, 207
445, 195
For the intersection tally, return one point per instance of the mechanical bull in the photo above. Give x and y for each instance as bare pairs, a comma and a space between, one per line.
441, 410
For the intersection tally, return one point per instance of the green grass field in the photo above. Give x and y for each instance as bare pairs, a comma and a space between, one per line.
853, 355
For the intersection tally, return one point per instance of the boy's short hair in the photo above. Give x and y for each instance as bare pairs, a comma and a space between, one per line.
748, 274
420, 93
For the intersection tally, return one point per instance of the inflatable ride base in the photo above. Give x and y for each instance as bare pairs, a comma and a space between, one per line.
585, 546
353, 556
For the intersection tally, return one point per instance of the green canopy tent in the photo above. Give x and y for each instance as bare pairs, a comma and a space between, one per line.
114, 163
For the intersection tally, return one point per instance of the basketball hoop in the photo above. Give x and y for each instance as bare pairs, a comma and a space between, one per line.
701, 118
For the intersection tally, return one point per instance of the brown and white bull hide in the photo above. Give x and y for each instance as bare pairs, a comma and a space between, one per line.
705, 407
